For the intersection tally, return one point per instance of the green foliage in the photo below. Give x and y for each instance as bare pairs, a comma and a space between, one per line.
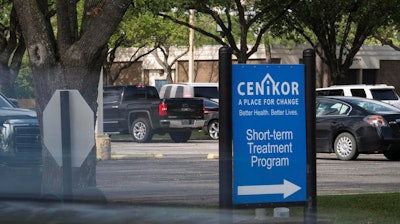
5, 11
388, 34
338, 28
243, 23
203, 21
331, 23
24, 87
142, 28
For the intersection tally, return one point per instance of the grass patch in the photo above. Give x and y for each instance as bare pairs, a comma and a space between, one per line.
380, 208
360, 209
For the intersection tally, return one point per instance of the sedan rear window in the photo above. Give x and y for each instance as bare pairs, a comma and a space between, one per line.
331, 108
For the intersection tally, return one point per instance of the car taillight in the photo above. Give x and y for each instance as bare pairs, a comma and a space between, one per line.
376, 120
162, 109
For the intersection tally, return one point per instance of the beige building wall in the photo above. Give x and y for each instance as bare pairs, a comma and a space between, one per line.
382, 60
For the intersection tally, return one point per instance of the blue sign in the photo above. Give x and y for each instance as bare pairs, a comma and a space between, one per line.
269, 133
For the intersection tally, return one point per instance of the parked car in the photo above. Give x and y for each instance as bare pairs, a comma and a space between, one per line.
349, 126
380, 92
138, 110
20, 144
211, 115
185, 90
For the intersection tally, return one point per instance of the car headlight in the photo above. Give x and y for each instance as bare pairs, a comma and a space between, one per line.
3, 143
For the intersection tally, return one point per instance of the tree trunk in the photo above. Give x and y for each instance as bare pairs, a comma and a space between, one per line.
12, 49
6, 84
71, 63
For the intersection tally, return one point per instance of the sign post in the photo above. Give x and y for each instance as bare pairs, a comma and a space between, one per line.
225, 134
66, 145
310, 210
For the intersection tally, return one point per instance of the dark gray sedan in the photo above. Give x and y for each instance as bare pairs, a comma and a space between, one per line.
211, 115
349, 126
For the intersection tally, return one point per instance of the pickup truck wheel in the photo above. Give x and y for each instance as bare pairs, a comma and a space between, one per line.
141, 130
180, 136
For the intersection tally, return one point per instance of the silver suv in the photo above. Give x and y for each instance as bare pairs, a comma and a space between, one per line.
380, 92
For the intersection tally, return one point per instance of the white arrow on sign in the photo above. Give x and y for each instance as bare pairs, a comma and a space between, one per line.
287, 189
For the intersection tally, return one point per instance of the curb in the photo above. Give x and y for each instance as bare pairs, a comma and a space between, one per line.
137, 156
152, 156
213, 156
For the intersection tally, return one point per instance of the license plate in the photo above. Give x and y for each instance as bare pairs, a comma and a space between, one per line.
187, 122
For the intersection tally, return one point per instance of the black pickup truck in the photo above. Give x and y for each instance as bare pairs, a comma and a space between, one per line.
138, 110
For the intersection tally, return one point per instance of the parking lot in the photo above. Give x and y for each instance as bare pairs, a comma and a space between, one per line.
162, 172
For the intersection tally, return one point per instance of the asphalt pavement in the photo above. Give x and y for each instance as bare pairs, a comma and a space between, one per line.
163, 173
151, 163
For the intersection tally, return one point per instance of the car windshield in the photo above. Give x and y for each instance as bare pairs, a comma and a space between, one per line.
4, 103
384, 94
210, 103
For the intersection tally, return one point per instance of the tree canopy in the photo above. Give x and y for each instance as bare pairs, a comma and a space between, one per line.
326, 25
147, 33
339, 28
238, 20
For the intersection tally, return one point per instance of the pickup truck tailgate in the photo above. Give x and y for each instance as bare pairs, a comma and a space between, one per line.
184, 108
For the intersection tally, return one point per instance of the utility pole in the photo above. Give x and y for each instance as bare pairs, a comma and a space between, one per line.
191, 46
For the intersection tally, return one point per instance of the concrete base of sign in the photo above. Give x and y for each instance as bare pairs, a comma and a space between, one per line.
281, 212
261, 214
103, 147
